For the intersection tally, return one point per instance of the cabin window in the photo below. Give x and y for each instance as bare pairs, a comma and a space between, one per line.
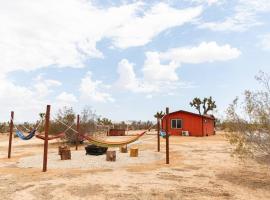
176, 123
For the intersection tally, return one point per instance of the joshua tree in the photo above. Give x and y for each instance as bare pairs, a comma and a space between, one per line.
42, 115
207, 104
158, 115
196, 102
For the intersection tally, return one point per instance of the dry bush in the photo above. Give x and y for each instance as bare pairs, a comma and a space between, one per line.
4, 127
249, 124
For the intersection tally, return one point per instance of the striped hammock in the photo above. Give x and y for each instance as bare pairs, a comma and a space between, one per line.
104, 143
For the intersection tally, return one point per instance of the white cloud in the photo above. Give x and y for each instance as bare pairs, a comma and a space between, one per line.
245, 16
139, 30
241, 21
64, 33
27, 101
154, 70
159, 69
41, 33
208, 2
66, 99
204, 52
93, 90
23, 100
43, 86
265, 42
128, 80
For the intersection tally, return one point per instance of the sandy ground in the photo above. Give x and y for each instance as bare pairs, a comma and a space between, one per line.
200, 168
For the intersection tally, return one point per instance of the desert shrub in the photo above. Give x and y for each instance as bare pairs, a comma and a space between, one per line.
249, 124
64, 116
4, 127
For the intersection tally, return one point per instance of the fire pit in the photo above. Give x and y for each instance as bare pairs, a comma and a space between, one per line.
95, 150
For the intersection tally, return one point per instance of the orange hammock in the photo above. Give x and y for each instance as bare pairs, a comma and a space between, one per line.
42, 137
104, 143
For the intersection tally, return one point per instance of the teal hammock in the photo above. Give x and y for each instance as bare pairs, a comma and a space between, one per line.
163, 134
26, 137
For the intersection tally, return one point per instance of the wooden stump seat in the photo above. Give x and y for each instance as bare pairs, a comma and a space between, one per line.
111, 156
62, 147
123, 149
64, 152
134, 152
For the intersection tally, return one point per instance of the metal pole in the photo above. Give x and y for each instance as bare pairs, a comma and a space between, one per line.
47, 125
10, 133
167, 137
158, 136
78, 131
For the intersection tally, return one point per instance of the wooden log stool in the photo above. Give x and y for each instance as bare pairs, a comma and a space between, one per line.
123, 149
111, 156
60, 148
134, 152
65, 153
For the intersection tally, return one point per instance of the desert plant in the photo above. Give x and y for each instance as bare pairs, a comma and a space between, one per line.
4, 127
64, 116
249, 131
104, 121
207, 104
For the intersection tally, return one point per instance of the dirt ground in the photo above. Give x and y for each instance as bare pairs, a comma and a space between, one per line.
200, 168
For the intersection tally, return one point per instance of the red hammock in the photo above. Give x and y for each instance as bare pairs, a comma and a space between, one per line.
42, 137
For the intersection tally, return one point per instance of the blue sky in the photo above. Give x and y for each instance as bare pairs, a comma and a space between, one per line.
129, 59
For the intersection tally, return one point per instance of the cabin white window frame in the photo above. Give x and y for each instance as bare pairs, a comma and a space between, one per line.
181, 123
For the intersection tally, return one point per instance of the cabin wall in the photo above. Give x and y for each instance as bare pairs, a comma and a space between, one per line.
196, 125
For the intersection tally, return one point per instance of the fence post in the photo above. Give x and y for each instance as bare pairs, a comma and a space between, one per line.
167, 137
158, 136
78, 131
11, 124
47, 125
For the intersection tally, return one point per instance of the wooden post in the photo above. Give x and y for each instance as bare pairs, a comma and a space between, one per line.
78, 131
11, 124
47, 125
167, 137
158, 135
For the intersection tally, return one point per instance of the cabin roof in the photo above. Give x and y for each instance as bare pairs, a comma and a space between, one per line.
191, 113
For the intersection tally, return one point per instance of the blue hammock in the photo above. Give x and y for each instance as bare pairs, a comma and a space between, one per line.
27, 137
163, 134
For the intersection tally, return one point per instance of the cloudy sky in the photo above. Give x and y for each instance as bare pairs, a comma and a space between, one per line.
128, 59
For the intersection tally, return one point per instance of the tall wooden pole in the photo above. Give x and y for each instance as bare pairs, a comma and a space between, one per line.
167, 137
78, 131
47, 125
158, 135
11, 124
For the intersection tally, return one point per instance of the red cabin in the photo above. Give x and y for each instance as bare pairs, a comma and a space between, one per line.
187, 123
